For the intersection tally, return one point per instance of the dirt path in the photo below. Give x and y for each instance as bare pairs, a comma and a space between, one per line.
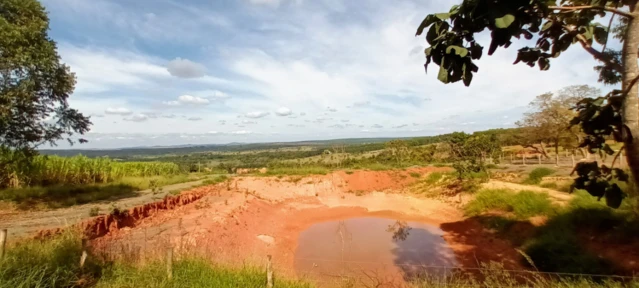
22, 223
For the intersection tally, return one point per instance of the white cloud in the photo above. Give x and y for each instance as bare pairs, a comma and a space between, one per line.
137, 118
213, 132
241, 132
283, 111
117, 111
169, 116
194, 100
171, 103
248, 122
377, 126
184, 68
194, 118
400, 126
256, 114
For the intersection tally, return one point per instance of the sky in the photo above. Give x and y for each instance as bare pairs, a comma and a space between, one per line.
169, 72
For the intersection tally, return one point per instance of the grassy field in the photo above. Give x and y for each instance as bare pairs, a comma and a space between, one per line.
55, 263
556, 246
59, 196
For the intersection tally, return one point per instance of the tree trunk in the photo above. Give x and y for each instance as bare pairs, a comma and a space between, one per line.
543, 150
630, 111
557, 151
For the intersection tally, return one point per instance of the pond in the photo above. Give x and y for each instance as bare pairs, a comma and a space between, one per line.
372, 249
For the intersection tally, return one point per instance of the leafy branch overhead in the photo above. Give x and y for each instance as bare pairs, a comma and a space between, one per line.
454, 46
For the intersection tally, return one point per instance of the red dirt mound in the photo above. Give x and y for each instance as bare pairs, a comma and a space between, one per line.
363, 180
102, 225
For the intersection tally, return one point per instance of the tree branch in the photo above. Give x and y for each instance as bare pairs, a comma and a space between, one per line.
617, 156
598, 55
591, 7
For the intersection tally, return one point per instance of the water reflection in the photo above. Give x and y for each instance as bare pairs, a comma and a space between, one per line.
360, 248
400, 230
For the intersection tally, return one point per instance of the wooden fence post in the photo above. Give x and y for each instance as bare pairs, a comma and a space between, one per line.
3, 242
169, 263
269, 272
83, 257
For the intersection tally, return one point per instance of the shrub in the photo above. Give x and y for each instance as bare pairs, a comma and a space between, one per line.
537, 174
523, 204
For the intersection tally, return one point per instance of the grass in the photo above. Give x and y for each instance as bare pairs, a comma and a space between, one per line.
55, 263
537, 174
522, 204
299, 171
58, 196
216, 180
434, 177
556, 246
415, 175
191, 272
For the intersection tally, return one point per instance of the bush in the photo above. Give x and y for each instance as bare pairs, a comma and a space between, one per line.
537, 174
524, 204
52, 263
434, 177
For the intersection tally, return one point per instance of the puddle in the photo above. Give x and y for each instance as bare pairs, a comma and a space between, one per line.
370, 249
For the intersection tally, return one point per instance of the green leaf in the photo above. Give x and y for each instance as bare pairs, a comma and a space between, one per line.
601, 34
546, 26
442, 16
428, 50
461, 51
429, 20
504, 22
443, 73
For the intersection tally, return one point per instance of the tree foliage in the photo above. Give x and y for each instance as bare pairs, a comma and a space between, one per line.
549, 120
454, 46
555, 25
34, 85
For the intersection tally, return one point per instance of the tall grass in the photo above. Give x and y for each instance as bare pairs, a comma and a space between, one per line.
522, 204
59, 196
537, 174
46, 170
55, 263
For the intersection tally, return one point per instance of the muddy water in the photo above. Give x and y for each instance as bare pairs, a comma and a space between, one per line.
371, 250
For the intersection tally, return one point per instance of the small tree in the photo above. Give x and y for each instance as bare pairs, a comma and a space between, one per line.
556, 25
551, 115
399, 150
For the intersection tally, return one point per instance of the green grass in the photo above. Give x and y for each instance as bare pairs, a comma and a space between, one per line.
537, 174
556, 246
55, 263
191, 272
53, 197
415, 175
522, 204
301, 171
434, 177
216, 180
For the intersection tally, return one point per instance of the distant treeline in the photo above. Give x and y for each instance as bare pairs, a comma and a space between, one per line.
197, 158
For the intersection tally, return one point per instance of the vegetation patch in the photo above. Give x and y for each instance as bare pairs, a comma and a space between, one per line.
522, 204
55, 263
537, 174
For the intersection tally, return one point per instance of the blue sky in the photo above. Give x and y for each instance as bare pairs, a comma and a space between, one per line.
168, 72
